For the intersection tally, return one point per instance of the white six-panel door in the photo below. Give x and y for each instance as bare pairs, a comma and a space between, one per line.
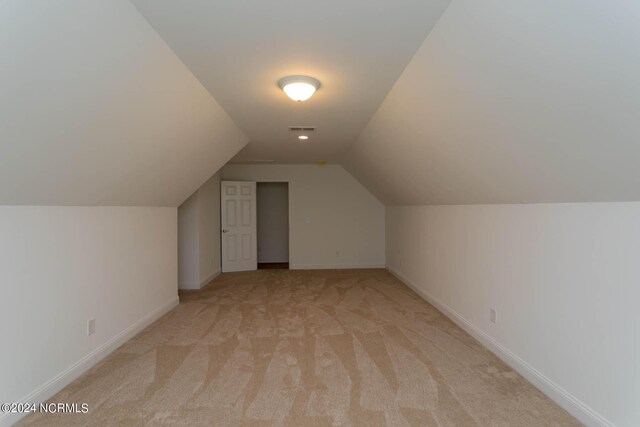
238, 220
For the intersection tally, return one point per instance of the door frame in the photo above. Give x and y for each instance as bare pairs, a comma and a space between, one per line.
288, 181
278, 181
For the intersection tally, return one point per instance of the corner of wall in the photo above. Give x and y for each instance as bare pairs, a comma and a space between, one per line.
352, 170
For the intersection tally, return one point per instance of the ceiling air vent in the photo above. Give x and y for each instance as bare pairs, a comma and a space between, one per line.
302, 129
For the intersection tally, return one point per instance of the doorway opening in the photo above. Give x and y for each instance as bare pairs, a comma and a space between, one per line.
272, 206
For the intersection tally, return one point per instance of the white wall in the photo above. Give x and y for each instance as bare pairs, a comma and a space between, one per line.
334, 222
199, 236
273, 221
62, 266
564, 279
188, 244
209, 229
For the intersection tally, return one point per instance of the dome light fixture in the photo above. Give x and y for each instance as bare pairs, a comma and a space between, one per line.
303, 137
299, 88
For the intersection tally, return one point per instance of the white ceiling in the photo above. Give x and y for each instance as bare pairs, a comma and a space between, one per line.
504, 102
95, 109
512, 102
239, 50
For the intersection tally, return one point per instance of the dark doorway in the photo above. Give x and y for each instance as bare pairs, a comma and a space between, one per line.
273, 266
272, 206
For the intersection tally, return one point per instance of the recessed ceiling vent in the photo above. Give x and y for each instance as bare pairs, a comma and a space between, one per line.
301, 129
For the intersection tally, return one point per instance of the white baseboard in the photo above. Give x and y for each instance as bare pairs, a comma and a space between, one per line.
64, 378
559, 395
210, 278
189, 285
332, 266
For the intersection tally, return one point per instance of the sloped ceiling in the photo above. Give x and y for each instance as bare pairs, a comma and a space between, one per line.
239, 49
512, 102
95, 109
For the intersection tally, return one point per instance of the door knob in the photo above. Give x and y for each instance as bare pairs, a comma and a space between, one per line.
224, 231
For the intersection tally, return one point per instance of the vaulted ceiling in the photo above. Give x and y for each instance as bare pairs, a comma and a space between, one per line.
240, 49
95, 109
503, 102
512, 102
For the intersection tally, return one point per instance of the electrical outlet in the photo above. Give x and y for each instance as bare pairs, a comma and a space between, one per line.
91, 327
337, 254
493, 315
401, 261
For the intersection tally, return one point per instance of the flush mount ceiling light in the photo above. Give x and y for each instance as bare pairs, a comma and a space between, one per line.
299, 88
303, 137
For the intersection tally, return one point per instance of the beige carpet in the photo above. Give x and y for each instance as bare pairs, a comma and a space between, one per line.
305, 348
